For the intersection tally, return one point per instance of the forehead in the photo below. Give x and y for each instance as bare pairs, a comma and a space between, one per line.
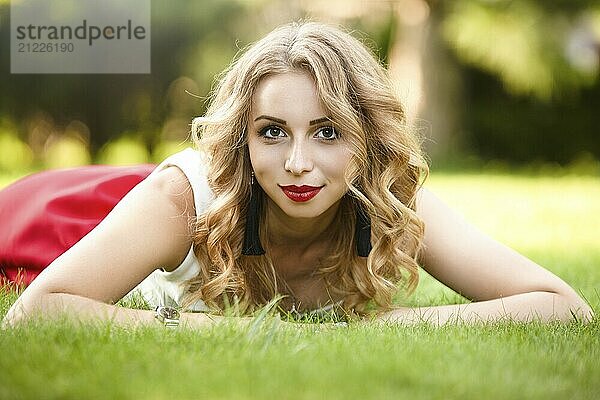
285, 93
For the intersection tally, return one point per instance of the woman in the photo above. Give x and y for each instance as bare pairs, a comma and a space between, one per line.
306, 182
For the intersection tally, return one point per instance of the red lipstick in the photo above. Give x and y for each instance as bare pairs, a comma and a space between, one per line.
301, 193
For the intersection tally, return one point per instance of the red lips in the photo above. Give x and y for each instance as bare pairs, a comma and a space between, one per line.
301, 194
300, 189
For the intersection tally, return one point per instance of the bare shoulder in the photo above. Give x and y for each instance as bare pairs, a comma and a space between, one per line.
173, 183
172, 186
424, 196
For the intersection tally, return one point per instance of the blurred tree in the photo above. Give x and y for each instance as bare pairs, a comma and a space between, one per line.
111, 104
530, 78
525, 43
510, 79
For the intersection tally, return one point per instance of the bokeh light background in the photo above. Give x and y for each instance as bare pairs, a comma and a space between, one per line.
488, 83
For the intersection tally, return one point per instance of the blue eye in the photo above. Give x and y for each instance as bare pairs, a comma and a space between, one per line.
271, 132
328, 133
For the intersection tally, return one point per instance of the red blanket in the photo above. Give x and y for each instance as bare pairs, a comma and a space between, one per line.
45, 213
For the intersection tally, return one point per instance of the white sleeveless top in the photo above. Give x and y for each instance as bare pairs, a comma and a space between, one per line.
168, 288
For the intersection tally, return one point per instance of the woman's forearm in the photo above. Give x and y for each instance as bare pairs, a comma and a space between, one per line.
54, 305
542, 306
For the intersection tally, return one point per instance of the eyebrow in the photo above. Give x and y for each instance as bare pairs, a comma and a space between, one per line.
281, 121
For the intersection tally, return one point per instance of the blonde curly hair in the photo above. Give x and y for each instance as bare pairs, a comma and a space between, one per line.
386, 170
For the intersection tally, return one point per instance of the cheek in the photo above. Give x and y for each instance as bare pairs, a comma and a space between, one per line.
259, 155
336, 164
265, 162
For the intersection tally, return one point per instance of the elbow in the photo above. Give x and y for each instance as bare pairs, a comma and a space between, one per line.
578, 309
23, 309
16, 315
582, 312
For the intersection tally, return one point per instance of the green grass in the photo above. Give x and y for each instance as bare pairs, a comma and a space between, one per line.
553, 220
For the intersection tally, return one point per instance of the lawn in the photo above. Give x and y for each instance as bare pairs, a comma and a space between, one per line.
554, 220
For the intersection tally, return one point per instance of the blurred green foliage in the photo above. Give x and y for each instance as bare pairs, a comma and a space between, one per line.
15, 155
530, 86
526, 68
66, 152
123, 151
520, 41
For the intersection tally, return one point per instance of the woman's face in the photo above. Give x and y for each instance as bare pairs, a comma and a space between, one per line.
293, 143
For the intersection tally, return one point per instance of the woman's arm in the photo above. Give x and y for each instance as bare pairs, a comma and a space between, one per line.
55, 305
148, 228
540, 306
502, 283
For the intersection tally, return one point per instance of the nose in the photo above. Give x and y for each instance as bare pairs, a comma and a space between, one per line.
299, 159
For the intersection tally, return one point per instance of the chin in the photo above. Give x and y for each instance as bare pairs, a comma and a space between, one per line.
299, 210
307, 215
302, 211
